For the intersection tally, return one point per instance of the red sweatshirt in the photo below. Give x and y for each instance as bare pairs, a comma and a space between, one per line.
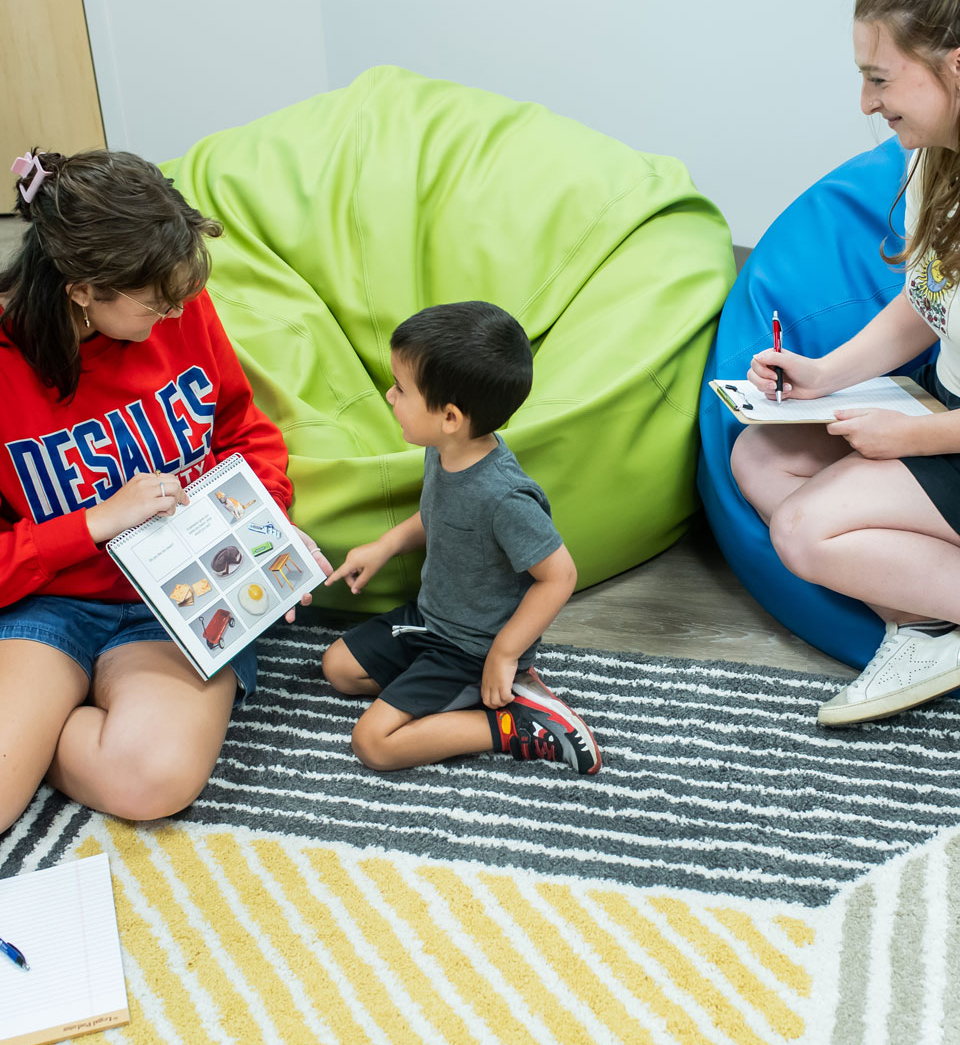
178, 402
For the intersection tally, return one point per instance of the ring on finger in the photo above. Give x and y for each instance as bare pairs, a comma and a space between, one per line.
162, 494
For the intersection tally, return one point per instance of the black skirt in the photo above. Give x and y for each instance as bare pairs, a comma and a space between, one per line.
939, 475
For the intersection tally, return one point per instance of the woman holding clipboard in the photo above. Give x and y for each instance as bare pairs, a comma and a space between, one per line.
869, 505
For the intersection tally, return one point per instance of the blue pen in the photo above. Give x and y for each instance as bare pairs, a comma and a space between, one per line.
14, 954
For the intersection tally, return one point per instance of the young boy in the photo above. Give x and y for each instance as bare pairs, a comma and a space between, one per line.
496, 571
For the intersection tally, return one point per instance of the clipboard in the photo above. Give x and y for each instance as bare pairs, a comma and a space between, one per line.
751, 407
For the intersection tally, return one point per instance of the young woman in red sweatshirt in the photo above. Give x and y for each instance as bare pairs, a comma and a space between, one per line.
118, 385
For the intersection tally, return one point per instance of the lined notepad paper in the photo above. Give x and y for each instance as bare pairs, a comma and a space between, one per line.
64, 921
879, 393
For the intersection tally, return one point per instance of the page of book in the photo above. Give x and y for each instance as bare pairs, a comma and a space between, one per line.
220, 570
64, 922
881, 393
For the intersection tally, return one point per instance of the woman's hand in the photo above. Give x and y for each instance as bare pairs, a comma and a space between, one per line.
360, 565
321, 560
145, 495
880, 435
803, 378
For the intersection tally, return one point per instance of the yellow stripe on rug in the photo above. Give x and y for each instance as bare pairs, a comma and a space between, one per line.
232, 936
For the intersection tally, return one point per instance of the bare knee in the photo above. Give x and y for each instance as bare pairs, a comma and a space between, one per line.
154, 784
370, 751
341, 670
333, 666
797, 539
372, 748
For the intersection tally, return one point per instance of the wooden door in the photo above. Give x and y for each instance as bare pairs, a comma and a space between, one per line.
48, 91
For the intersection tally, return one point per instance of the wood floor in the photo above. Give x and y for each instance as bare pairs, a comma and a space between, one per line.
684, 603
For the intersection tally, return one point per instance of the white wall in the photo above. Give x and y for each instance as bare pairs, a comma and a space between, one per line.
758, 97
170, 72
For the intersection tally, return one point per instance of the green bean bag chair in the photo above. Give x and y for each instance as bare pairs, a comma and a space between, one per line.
350, 211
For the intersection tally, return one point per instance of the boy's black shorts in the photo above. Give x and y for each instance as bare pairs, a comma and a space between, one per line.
418, 672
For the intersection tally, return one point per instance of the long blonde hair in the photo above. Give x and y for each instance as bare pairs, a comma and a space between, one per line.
926, 30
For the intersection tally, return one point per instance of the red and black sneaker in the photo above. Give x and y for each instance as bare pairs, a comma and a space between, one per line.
537, 724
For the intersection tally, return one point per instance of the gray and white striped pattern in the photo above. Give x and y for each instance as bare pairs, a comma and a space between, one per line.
716, 777
888, 954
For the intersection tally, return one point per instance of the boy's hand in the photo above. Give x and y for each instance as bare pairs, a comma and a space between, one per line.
496, 686
360, 565
311, 545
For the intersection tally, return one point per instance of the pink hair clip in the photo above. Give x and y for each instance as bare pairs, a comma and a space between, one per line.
22, 166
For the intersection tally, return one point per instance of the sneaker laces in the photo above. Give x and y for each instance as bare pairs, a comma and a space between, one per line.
860, 681
543, 744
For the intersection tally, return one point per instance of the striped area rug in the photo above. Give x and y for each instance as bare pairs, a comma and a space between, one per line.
734, 874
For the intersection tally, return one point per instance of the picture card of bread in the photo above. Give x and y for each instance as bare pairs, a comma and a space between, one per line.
182, 595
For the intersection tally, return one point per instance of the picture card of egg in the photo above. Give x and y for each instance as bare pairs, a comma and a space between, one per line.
254, 598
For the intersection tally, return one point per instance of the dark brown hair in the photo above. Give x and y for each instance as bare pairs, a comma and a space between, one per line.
109, 219
469, 353
926, 30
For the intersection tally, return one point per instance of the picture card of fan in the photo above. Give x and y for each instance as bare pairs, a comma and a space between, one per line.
220, 570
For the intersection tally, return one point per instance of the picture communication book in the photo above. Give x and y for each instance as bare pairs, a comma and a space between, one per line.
220, 570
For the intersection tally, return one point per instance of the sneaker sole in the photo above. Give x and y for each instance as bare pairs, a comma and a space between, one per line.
564, 714
884, 707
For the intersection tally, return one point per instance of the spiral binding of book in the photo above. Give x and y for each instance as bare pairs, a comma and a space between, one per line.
227, 465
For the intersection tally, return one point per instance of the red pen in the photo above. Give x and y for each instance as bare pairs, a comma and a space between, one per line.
777, 346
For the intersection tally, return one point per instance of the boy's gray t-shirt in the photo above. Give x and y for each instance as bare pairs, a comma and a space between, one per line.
485, 526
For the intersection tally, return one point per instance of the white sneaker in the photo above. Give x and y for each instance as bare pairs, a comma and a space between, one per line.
908, 669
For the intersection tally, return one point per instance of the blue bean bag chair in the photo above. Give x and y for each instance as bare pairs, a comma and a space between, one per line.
819, 265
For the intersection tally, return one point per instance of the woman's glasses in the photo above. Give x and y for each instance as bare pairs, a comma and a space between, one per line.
156, 311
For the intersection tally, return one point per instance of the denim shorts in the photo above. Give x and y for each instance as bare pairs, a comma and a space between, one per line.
85, 628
